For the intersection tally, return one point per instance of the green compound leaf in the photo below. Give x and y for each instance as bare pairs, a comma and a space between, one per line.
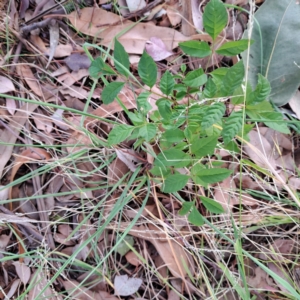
195, 217
233, 125
214, 18
233, 78
99, 67
119, 134
195, 78
195, 48
262, 90
121, 56
147, 70
111, 91
211, 205
167, 83
234, 48
213, 114
212, 175
174, 183
148, 131
142, 102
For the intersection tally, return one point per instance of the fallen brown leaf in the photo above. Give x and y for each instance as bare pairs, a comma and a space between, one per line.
9, 136
266, 151
166, 247
226, 194
134, 39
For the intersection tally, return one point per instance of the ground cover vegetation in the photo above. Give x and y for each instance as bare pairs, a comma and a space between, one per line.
149, 149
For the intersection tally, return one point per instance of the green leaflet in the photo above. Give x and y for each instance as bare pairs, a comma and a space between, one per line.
194, 216
172, 157
232, 126
215, 18
186, 207
111, 91
167, 83
262, 90
195, 78
234, 48
142, 102
212, 205
148, 131
147, 69
164, 108
210, 89
121, 56
233, 79
119, 134
213, 175
173, 135
195, 48
213, 114
174, 183
204, 146
99, 67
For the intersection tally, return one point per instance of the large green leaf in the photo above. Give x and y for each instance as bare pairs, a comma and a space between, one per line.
275, 54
